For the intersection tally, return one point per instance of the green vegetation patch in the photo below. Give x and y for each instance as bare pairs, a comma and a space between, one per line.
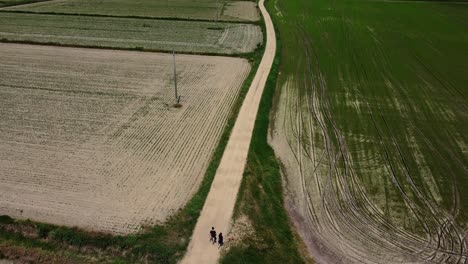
129, 33
383, 84
5, 219
395, 85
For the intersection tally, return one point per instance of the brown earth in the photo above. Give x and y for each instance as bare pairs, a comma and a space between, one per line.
89, 138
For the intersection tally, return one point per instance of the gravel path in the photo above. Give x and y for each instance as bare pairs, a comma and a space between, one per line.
220, 202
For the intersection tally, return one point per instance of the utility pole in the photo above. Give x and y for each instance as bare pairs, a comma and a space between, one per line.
177, 97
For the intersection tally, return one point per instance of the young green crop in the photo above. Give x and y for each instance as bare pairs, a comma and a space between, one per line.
373, 105
5, 3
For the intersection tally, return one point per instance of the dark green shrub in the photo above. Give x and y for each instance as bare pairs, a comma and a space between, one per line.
5, 219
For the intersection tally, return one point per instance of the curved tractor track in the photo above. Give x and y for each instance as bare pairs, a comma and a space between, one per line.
330, 203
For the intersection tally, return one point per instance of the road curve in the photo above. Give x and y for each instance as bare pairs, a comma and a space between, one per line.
221, 199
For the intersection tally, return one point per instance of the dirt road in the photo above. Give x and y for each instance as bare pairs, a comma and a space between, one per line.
220, 202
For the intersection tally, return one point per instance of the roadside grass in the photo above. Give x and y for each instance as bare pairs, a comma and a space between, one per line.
165, 243
261, 194
17, 247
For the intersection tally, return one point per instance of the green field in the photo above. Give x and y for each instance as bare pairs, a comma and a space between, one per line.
185, 9
129, 33
371, 122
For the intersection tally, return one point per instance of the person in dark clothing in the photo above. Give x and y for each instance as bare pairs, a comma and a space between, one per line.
213, 235
220, 239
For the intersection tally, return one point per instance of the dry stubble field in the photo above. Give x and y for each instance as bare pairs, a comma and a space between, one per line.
89, 138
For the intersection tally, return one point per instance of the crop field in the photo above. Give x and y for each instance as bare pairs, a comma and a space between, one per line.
89, 138
184, 9
371, 127
149, 34
5, 3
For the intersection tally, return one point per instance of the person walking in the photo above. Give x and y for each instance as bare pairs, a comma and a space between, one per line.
220, 240
213, 235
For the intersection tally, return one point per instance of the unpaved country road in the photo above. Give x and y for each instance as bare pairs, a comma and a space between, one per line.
220, 202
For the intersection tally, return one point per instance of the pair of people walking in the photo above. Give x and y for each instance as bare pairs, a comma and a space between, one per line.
213, 237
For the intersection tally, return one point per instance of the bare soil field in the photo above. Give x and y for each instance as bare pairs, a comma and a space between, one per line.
183, 9
89, 138
131, 33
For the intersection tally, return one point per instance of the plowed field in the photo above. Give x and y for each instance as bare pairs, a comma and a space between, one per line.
89, 138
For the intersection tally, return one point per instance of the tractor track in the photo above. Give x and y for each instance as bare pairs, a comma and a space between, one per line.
345, 223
